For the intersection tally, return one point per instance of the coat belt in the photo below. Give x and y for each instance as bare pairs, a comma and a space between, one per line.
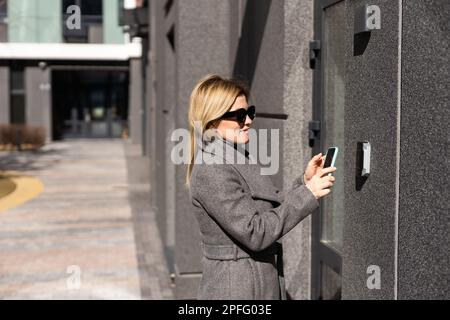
234, 252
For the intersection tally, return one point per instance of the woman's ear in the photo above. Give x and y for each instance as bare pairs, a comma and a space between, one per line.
213, 124
210, 130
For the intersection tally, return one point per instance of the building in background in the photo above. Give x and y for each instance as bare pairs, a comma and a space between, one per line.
72, 81
323, 79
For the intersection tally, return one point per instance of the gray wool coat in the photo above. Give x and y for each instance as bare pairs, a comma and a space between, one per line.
241, 215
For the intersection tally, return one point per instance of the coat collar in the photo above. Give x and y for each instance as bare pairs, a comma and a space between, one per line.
221, 151
227, 151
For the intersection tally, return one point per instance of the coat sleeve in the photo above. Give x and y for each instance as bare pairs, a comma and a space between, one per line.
218, 189
298, 181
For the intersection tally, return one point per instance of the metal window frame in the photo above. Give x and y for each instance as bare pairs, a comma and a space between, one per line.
321, 253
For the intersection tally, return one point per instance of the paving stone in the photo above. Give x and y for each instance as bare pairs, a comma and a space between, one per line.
82, 238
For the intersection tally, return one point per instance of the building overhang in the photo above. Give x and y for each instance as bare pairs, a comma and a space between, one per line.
70, 51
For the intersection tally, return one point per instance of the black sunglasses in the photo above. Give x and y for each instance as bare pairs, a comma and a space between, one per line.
241, 114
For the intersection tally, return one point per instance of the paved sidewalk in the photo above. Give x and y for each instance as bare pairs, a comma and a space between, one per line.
77, 239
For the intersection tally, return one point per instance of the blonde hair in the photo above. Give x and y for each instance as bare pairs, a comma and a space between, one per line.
211, 98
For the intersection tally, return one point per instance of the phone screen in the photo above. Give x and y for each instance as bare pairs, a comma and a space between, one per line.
329, 157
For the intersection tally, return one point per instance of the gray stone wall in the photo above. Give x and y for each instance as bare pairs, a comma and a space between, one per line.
135, 115
202, 46
423, 228
371, 115
38, 102
394, 98
4, 95
297, 103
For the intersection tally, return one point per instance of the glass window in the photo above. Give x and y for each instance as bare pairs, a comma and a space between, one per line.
92, 7
91, 30
88, 7
3, 16
333, 119
3, 8
68, 3
17, 83
17, 109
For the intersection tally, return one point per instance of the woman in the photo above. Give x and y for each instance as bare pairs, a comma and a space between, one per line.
240, 212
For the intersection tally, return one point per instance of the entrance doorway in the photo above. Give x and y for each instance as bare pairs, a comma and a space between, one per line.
89, 103
328, 112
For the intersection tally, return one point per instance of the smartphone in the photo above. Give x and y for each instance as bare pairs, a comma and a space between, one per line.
330, 158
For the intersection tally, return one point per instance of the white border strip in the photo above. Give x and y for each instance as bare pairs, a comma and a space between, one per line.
397, 169
70, 51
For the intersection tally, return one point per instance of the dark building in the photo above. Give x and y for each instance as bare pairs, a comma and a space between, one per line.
325, 73
71, 80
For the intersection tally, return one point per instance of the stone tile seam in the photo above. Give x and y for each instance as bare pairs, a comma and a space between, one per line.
397, 169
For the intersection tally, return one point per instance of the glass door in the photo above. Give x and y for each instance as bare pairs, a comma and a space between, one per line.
329, 94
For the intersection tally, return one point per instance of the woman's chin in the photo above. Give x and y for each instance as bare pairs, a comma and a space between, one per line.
242, 139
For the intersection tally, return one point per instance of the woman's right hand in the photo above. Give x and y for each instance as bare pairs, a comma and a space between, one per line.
321, 182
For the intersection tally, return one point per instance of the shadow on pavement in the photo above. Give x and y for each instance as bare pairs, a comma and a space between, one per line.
30, 160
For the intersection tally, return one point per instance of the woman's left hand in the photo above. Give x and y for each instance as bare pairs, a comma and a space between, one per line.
313, 165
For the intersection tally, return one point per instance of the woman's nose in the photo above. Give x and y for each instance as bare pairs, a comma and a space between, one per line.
248, 121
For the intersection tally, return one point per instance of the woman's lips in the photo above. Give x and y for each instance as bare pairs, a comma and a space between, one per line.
243, 131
